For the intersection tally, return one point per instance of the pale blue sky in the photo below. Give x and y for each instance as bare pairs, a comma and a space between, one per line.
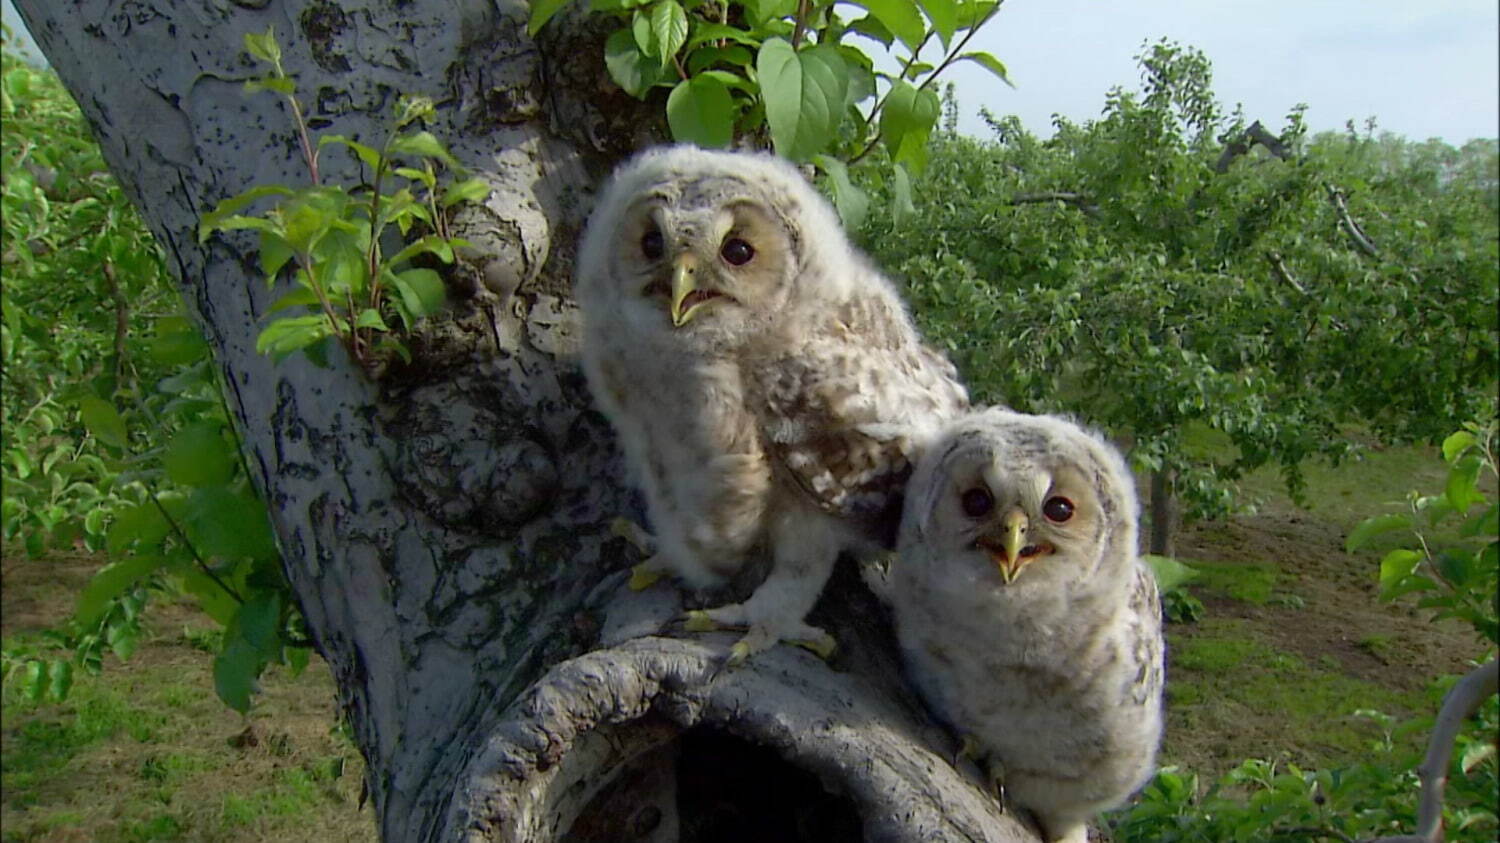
1422, 68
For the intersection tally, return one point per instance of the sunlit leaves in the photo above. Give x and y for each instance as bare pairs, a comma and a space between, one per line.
669, 29
701, 111
907, 122
900, 18
629, 67
990, 63
804, 95
541, 12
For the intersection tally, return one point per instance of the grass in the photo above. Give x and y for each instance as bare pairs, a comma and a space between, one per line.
146, 752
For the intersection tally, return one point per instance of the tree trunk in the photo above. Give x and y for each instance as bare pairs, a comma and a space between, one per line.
446, 529
1163, 514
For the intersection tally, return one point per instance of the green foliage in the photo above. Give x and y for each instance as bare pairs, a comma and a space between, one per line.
116, 435
787, 74
1457, 579
1136, 271
1258, 800
331, 236
1172, 576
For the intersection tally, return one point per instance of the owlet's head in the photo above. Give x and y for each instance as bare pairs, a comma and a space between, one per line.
1023, 499
703, 244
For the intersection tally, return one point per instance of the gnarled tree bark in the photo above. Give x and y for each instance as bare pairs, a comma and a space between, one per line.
446, 529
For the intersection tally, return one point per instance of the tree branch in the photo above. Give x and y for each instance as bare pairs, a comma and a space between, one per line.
1255, 134
1356, 234
1462, 700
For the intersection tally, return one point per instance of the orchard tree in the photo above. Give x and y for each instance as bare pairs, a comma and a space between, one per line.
440, 490
1220, 295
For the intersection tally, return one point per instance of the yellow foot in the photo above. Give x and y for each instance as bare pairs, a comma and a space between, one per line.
633, 533
698, 620
643, 576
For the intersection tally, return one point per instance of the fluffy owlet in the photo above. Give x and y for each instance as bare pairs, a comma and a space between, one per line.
1026, 619
766, 381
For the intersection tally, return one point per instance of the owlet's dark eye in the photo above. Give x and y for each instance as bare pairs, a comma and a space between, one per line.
977, 502
1058, 508
737, 251
651, 244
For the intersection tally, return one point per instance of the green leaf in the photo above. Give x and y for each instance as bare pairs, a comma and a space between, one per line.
276, 84
1475, 754
541, 12
235, 672
421, 144
141, 525
36, 680
1457, 567
944, 17
60, 680
121, 636
370, 318
669, 25
1397, 566
707, 32
103, 420
902, 206
1462, 489
199, 456
906, 122
214, 220
284, 336
474, 189
1415, 582
297, 659
990, 63
177, 347
804, 96
367, 155
93, 523
900, 17
1170, 573
228, 525
429, 245
871, 27
700, 111
1372, 527
260, 623
631, 69
110, 582
761, 11
851, 202
1457, 443
300, 297
1486, 523
264, 46
422, 291
701, 59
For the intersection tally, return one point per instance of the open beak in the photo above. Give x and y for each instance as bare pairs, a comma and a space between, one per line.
1009, 550
684, 288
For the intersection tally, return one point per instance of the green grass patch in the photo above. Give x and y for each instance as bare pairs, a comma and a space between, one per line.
1249, 582
1232, 696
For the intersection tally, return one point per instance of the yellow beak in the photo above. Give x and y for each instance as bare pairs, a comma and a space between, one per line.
684, 277
1015, 539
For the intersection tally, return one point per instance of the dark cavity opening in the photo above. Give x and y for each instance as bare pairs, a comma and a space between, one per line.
712, 787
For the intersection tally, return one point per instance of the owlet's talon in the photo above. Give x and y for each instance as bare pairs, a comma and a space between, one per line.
624, 528
644, 575
738, 654
823, 647
698, 620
